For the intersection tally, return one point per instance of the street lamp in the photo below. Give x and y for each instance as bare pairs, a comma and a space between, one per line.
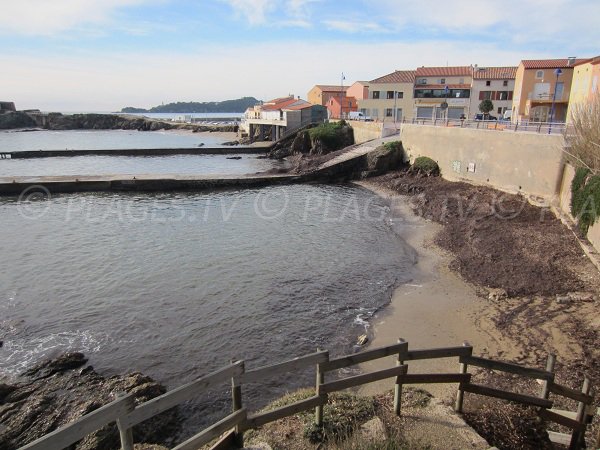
558, 73
395, 110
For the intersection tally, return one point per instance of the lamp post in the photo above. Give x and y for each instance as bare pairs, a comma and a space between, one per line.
558, 73
395, 110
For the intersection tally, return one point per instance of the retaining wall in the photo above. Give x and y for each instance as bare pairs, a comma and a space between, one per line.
514, 162
366, 131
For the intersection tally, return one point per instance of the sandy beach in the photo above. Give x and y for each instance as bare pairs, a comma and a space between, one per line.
440, 308
436, 309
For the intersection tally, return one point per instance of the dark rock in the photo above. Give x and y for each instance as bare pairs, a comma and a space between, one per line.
16, 119
301, 143
234, 157
55, 393
385, 158
231, 143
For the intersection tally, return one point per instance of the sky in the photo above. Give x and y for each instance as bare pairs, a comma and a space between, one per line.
103, 55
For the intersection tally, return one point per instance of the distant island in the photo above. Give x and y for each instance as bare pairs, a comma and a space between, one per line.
228, 106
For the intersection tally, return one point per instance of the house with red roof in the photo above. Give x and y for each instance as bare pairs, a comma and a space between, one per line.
493, 83
343, 106
320, 94
542, 89
388, 98
271, 120
443, 92
585, 84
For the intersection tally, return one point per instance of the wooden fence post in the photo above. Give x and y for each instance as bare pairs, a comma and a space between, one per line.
236, 402
126, 434
458, 406
319, 383
578, 436
398, 386
550, 363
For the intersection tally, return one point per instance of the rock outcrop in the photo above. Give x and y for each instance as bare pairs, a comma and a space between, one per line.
16, 119
58, 121
59, 391
308, 142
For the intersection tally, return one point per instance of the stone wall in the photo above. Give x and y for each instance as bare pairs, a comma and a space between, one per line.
366, 131
593, 234
515, 162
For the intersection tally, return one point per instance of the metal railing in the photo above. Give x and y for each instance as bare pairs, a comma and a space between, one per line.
495, 125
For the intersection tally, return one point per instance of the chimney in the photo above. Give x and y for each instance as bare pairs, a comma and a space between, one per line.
571, 60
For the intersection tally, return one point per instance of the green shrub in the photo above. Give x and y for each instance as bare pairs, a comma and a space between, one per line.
331, 135
425, 166
585, 198
393, 146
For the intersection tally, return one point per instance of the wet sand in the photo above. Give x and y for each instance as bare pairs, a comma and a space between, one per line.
436, 309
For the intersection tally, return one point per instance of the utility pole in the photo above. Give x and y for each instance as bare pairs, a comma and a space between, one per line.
342, 98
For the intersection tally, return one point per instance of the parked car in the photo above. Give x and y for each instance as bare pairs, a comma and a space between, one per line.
358, 115
485, 117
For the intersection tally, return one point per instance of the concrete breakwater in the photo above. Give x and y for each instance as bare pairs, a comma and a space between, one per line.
30, 154
359, 161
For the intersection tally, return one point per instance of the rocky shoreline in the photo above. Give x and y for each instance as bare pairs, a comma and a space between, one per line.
59, 391
58, 121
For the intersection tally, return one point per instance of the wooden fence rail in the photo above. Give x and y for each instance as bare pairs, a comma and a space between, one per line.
127, 415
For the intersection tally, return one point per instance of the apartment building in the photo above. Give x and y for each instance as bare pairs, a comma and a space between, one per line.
320, 94
540, 86
443, 92
388, 98
493, 83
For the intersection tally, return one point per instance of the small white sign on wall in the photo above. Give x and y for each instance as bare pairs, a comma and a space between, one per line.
471, 167
456, 166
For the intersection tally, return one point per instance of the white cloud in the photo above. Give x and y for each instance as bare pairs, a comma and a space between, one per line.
110, 81
48, 17
353, 26
294, 13
255, 11
571, 22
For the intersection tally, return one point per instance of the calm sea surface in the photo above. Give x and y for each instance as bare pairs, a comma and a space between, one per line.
176, 285
109, 165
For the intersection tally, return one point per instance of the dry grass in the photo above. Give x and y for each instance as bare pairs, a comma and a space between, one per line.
585, 139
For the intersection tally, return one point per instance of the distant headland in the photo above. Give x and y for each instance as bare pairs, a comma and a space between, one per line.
228, 106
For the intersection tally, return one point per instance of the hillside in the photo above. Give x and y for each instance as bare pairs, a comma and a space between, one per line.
229, 106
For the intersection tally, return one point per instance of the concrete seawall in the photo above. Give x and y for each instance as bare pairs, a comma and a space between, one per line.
530, 163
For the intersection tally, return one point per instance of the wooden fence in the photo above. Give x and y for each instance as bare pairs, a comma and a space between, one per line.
126, 414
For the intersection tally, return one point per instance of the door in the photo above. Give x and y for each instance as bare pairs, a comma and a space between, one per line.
455, 113
424, 112
398, 114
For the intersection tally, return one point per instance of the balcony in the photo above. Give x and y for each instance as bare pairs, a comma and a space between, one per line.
547, 98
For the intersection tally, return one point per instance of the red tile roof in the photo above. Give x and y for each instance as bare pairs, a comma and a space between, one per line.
331, 88
549, 63
494, 73
444, 71
595, 60
278, 103
398, 76
299, 104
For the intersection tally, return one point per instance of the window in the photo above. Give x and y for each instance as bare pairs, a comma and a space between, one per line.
500, 110
539, 74
442, 81
485, 95
389, 112
502, 95
422, 81
505, 83
390, 94
376, 95
399, 94
488, 82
